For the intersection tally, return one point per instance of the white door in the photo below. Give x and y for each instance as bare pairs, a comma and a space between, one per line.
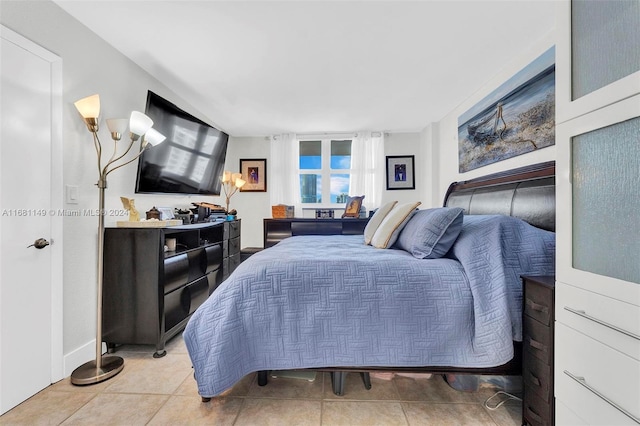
30, 325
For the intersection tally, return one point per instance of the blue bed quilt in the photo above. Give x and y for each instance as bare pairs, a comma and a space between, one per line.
331, 301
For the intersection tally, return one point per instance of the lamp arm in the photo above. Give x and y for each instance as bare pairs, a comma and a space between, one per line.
98, 146
123, 164
113, 156
113, 160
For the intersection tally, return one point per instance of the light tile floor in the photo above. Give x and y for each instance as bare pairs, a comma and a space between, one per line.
162, 391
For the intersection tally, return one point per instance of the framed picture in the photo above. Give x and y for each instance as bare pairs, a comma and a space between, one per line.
255, 173
400, 173
352, 208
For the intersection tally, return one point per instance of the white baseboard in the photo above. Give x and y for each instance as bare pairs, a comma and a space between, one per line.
84, 353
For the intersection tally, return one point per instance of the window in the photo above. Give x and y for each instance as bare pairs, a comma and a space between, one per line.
325, 171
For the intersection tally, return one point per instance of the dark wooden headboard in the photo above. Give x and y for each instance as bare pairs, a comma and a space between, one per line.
528, 193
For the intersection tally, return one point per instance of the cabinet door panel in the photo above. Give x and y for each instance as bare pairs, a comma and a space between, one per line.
605, 40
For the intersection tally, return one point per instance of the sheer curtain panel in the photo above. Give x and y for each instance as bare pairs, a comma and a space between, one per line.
284, 181
368, 168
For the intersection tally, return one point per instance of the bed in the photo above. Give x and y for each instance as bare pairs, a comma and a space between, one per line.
333, 303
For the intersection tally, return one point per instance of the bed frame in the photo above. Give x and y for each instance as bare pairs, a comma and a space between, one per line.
527, 193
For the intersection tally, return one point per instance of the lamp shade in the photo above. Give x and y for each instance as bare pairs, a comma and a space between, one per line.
154, 137
139, 123
117, 125
89, 107
240, 182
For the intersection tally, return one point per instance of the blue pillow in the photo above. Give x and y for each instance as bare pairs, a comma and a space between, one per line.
430, 233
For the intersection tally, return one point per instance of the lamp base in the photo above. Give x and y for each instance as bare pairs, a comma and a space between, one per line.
88, 374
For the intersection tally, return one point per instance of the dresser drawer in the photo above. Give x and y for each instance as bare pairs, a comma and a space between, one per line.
231, 229
537, 376
535, 410
176, 272
593, 379
538, 301
538, 340
234, 246
607, 320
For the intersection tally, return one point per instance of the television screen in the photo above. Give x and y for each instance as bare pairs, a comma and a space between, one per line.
189, 161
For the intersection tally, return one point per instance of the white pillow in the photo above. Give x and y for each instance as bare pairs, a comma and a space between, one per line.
376, 220
388, 231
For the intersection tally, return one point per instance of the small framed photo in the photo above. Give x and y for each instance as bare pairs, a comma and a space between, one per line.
400, 172
255, 173
352, 208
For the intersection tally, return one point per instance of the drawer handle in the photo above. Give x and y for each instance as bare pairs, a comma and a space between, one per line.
537, 307
534, 416
535, 344
583, 382
534, 379
583, 314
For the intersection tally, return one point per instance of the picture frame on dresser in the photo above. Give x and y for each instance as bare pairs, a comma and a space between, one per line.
352, 208
254, 172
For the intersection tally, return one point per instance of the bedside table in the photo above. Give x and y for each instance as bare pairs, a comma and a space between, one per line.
537, 341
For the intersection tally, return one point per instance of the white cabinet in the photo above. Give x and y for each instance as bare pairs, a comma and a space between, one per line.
597, 352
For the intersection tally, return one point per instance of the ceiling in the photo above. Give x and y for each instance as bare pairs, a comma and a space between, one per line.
257, 68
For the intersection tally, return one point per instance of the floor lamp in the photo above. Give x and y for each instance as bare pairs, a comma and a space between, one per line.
105, 367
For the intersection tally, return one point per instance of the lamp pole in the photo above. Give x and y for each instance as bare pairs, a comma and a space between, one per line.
103, 367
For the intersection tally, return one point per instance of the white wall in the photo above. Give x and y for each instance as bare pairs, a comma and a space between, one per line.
90, 66
445, 132
252, 207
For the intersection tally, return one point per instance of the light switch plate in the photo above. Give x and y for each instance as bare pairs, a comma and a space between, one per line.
71, 192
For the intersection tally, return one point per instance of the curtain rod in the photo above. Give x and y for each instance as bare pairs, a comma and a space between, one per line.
333, 135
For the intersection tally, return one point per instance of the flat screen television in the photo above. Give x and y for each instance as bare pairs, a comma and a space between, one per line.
189, 161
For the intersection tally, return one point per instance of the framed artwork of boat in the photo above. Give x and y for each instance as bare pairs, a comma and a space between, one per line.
516, 118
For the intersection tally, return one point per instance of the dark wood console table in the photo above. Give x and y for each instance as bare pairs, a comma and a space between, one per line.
276, 230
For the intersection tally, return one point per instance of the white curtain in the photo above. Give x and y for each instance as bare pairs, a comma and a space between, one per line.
368, 168
284, 185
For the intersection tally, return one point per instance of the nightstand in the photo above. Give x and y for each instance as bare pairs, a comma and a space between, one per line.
537, 342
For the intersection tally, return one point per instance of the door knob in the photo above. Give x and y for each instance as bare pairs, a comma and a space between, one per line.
40, 243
